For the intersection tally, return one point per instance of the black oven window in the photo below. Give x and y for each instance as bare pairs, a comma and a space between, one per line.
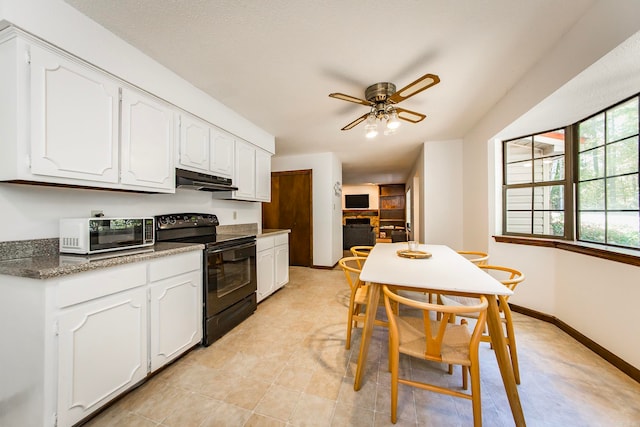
228, 271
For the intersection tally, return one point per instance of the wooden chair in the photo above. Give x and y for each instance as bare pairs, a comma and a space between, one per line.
361, 251
358, 295
478, 258
436, 340
510, 277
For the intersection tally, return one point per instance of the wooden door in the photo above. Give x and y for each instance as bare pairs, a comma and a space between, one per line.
291, 207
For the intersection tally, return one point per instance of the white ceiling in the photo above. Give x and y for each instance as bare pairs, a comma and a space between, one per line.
275, 62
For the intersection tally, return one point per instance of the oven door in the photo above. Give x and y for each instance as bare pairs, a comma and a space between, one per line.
230, 275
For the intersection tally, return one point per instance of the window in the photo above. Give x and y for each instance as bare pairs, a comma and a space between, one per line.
535, 182
607, 184
603, 153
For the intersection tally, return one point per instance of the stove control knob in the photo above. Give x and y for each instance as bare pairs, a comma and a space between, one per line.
163, 220
172, 220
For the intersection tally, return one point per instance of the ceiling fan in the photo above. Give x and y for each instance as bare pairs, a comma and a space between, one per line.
382, 97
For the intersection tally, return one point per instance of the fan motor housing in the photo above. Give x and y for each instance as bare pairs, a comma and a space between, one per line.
379, 92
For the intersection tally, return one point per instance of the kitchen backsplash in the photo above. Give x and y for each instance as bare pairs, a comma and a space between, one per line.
28, 248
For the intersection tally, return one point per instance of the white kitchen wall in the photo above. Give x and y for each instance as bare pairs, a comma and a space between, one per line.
443, 193
415, 181
327, 213
336, 211
32, 212
592, 295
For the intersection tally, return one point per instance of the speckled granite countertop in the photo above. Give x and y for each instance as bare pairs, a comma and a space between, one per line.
45, 262
268, 231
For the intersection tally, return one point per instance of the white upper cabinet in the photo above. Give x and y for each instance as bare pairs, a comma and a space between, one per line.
205, 148
222, 153
252, 174
147, 142
263, 175
194, 144
73, 119
245, 171
71, 123
64, 121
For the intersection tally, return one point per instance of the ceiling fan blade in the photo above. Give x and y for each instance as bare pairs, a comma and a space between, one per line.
409, 116
356, 122
350, 98
411, 89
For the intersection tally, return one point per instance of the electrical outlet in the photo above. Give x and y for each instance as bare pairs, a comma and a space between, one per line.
97, 214
235, 215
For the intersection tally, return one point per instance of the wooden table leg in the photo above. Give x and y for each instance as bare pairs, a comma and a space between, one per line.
504, 362
367, 331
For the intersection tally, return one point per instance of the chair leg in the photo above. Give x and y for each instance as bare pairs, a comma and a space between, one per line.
465, 384
394, 361
511, 343
474, 369
347, 345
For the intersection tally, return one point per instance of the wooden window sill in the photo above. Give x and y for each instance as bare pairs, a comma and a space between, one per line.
625, 256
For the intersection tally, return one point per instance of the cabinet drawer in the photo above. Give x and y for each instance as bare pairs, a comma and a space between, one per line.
281, 239
263, 243
174, 265
95, 284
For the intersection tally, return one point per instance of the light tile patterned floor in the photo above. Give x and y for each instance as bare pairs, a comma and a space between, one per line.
286, 366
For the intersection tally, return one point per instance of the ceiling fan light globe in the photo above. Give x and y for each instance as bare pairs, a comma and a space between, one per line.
371, 133
393, 122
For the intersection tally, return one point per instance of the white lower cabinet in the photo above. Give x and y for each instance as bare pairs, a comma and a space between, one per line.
272, 254
175, 309
281, 262
266, 270
102, 351
83, 339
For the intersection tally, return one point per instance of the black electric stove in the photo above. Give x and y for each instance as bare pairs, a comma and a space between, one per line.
229, 270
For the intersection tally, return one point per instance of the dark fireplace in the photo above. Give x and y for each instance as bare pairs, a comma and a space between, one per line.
351, 221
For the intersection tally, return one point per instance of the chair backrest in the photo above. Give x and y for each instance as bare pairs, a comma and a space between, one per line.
435, 330
510, 277
362, 252
478, 258
351, 267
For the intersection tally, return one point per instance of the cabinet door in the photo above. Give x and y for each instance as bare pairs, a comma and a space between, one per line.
222, 150
263, 176
175, 317
245, 171
102, 351
266, 274
147, 142
73, 119
281, 265
194, 144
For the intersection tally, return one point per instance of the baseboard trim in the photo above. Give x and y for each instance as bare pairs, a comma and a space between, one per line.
616, 361
324, 267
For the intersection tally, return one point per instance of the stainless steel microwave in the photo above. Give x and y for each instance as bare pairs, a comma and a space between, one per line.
95, 235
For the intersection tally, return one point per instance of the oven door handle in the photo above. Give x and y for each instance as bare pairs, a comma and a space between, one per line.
230, 247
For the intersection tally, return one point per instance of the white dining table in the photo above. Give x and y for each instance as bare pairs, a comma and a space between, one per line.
445, 271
